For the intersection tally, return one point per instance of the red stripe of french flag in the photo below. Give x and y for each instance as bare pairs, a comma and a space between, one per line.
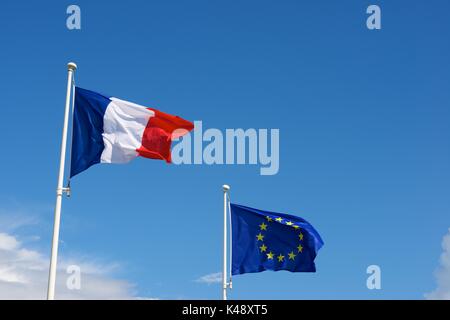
159, 132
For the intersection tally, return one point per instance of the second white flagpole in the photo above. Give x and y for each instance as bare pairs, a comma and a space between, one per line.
59, 189
226, 188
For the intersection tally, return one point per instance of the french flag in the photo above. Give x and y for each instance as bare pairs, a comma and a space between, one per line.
111, 130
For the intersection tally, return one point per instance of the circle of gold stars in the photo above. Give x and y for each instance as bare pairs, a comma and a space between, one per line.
270, 255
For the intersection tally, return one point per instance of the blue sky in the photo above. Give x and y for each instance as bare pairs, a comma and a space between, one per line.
364, 137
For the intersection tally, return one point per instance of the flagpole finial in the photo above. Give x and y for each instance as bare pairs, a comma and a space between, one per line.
226, 188
72, 66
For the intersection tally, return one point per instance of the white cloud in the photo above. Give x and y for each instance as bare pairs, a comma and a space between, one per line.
24, 274
7, 242
210, 278
442, 292
24, 270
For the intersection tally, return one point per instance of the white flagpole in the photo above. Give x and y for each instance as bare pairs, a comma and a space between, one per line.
59, 189
226, 188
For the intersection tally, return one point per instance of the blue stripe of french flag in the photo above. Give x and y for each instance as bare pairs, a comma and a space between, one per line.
111, 130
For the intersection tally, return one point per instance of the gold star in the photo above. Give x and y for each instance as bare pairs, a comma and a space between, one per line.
260, 237
296, 227
279, 219
269, 219
289, 223
263, 248
292, 255
300, 236
300, 248
270, 255
280, 258
263, 226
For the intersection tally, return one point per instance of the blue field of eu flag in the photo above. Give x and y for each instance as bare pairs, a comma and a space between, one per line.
264, 240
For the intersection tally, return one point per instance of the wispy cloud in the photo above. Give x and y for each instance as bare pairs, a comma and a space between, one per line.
442, 292
24, 269
210, 278
16, 218
24, 273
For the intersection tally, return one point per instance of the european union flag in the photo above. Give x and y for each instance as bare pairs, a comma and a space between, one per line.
264, 240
